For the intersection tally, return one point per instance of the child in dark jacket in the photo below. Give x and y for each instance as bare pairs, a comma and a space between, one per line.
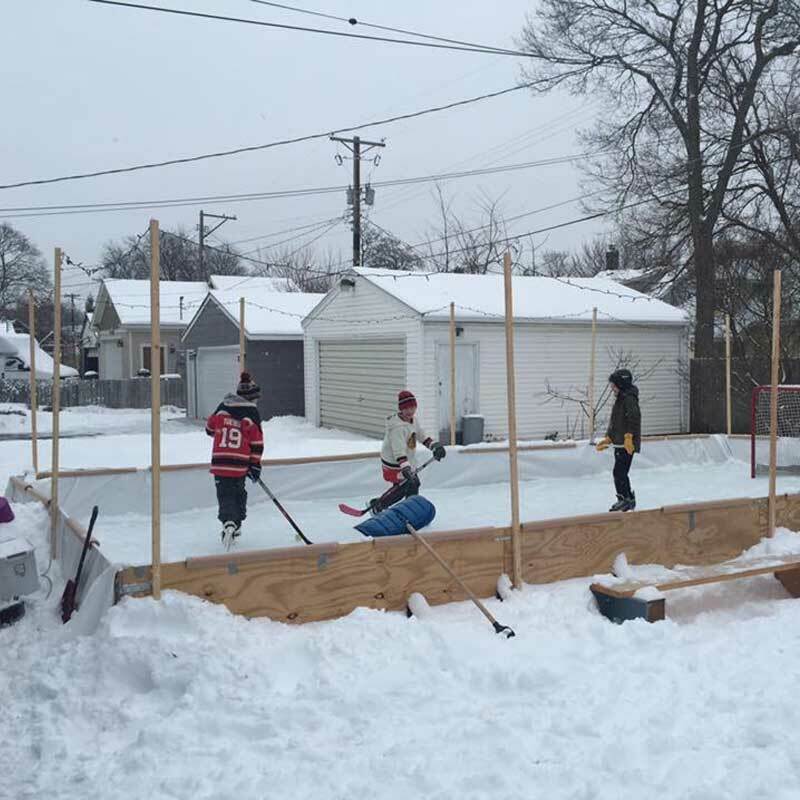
625, 434
237, 451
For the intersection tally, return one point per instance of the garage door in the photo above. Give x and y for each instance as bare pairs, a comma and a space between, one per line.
217, 370
359, 382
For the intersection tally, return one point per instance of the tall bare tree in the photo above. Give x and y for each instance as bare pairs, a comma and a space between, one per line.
21, 266
180, 258
671, 135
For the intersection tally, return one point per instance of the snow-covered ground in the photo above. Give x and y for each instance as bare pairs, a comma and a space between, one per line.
184, 701
15, 418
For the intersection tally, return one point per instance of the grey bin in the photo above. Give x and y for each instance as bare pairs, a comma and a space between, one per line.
471, 428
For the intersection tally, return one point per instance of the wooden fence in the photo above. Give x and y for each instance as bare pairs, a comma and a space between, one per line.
131, 393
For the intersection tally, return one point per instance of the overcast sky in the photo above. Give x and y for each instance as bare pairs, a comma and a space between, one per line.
90, 87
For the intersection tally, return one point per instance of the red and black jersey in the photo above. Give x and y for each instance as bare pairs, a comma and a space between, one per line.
238, 440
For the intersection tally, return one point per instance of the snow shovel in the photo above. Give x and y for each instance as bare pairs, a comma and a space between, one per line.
283, 511
498, 628
68, 604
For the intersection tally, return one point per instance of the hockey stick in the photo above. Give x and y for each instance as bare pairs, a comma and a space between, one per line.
498, 628
284, 512
359, 512
68, 604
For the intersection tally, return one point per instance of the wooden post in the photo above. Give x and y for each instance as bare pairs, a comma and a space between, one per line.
242, 351
32, 365
516, 535
155, 404
592, 359
773, 398
56, 402
728, 408
452, 374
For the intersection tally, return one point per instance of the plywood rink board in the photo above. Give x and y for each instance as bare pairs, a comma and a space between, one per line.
305, 584
319, 583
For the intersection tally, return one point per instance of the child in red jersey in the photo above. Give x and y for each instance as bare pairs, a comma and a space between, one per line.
237, 451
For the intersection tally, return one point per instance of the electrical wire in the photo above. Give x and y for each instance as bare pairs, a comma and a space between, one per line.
353, 21
484, 49
280, 142
14, 212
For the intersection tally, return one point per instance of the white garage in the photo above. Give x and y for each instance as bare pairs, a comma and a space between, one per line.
212, 372
379, 331
358, 381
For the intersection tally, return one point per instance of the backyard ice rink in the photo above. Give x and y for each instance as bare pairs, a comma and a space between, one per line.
184, 701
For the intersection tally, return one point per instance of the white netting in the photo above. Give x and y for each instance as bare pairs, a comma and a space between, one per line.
788, 451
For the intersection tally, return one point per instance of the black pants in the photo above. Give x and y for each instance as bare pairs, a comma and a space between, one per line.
232, 499
622, 466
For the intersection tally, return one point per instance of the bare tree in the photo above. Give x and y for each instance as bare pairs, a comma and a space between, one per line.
671, 136
576, 398
381, 249
180, 258
21, 267
304, 270
456, 246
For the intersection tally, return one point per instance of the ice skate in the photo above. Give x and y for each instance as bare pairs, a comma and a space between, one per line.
230, 532
620, 504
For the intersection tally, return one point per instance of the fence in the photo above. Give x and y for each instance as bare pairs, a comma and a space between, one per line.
131, 393
707, 376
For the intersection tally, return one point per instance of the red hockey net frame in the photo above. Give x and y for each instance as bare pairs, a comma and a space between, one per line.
788, 425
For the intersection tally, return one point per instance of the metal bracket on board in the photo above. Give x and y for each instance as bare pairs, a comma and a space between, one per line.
126, 589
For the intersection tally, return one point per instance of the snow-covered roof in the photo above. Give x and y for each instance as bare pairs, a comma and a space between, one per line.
482, 297
621, 275
131, 300
18, 345
267, 313
248, 282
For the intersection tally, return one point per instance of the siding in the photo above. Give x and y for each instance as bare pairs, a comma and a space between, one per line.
277, 367
560, 354
336, 322
212, 328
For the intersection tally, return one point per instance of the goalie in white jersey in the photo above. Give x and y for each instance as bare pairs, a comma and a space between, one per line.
398, 454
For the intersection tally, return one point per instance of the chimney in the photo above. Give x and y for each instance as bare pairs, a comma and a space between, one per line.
612, 258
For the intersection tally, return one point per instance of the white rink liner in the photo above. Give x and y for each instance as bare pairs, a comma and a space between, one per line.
125, 537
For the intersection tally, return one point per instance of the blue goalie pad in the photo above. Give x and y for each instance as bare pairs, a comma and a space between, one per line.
416, 511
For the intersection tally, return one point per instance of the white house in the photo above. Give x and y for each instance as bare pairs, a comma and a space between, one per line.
122, 321
378, 331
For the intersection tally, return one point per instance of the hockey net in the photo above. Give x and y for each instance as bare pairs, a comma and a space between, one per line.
788, 440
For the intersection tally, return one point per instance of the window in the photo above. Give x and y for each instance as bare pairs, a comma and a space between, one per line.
146, 361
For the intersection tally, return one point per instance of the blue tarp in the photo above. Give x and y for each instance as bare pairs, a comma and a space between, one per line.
416, 511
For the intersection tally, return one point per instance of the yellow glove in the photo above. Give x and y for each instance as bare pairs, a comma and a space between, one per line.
628, 445
603, 444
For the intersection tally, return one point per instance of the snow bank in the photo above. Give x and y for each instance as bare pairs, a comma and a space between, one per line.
187, 702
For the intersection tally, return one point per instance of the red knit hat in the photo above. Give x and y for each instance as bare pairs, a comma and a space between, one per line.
405, 399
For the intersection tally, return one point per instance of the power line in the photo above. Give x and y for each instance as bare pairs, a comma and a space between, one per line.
354, 21
484, 49
279, 142
12, 212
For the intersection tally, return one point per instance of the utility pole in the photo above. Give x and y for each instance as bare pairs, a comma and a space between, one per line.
72, 297
203, 233
354, 145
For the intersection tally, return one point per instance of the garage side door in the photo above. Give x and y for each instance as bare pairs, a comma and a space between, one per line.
217, 370
359, 382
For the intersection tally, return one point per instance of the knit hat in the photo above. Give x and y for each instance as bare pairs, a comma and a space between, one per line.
405, 399
248, 388
621, 378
